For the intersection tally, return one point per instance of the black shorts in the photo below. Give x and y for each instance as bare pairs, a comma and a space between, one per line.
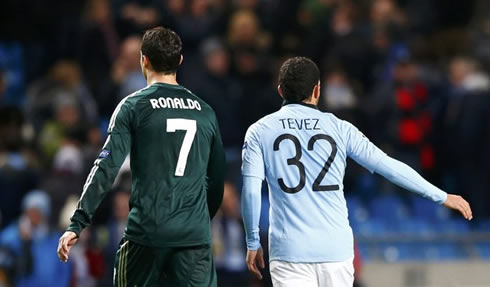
141, 266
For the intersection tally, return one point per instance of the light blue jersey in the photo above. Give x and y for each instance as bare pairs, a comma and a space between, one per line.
301, 153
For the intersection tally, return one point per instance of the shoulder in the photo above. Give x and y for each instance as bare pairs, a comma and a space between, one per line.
337, 122
205, 107
133, 98
203, 103
123, 111
129, 102
256, 129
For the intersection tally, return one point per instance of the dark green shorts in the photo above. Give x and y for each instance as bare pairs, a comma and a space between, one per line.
141, 266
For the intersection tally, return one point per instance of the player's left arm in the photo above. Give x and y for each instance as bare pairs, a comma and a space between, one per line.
404, 176
215, 174
100, 178
364, 152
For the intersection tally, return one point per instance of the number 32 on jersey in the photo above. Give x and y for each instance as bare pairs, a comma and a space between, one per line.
296, 161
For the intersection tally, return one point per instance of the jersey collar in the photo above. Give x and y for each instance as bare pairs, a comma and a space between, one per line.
285, 103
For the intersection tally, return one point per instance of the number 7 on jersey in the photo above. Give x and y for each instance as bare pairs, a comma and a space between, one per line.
190, 127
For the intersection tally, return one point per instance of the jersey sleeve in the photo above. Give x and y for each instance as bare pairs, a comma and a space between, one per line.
360, 148
105, 168
406, 177
252, 156
215, 174
251, 202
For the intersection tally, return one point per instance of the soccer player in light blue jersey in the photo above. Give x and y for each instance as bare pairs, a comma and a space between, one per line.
301, 152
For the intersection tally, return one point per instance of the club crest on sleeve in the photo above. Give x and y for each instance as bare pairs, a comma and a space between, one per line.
104, 153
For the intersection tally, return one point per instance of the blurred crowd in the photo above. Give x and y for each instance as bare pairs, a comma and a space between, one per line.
411, 74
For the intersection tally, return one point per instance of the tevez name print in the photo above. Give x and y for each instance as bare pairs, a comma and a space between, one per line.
300, 124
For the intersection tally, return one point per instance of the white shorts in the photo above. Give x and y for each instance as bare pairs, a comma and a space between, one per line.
330, 274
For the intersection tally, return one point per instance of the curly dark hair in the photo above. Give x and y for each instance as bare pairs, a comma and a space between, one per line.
297, 77
163, 48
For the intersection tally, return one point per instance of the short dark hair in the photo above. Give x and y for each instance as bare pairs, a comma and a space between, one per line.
163, 48
297, 78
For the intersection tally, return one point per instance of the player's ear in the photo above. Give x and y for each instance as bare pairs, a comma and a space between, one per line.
316, 91
145, 62
280, 91
181, 59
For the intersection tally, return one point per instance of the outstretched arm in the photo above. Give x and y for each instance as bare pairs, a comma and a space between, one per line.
364, 152
404, 176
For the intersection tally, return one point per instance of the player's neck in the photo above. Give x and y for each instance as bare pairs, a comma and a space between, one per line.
311, 101
152, 78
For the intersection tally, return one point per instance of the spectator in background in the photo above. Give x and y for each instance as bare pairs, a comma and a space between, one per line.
338, 95
388, 37
466, 132
97, 46
387, 13
248, 43
263, 9
195, 21
229, 248
403, 108
312, 18
349, 46
220, 90
18, 165
64, 130
113, 231
249, 47
127, 69
134, 16
66, 176
32, 242
63, 82
126, 77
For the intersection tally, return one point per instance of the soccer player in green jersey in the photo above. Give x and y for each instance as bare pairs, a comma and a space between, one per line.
177, 166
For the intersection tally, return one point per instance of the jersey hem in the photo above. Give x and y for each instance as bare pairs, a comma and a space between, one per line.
313, 262
310, 260
167, 244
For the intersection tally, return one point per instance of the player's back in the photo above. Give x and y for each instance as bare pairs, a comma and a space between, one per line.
171, 138
304, 151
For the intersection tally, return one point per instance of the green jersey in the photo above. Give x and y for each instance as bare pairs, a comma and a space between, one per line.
177, 166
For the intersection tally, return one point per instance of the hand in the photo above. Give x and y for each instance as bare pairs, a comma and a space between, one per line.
65, 244
458, 203
254, 257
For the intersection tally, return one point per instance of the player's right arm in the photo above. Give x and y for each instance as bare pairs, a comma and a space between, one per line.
253, 174
101, 177
360, 149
